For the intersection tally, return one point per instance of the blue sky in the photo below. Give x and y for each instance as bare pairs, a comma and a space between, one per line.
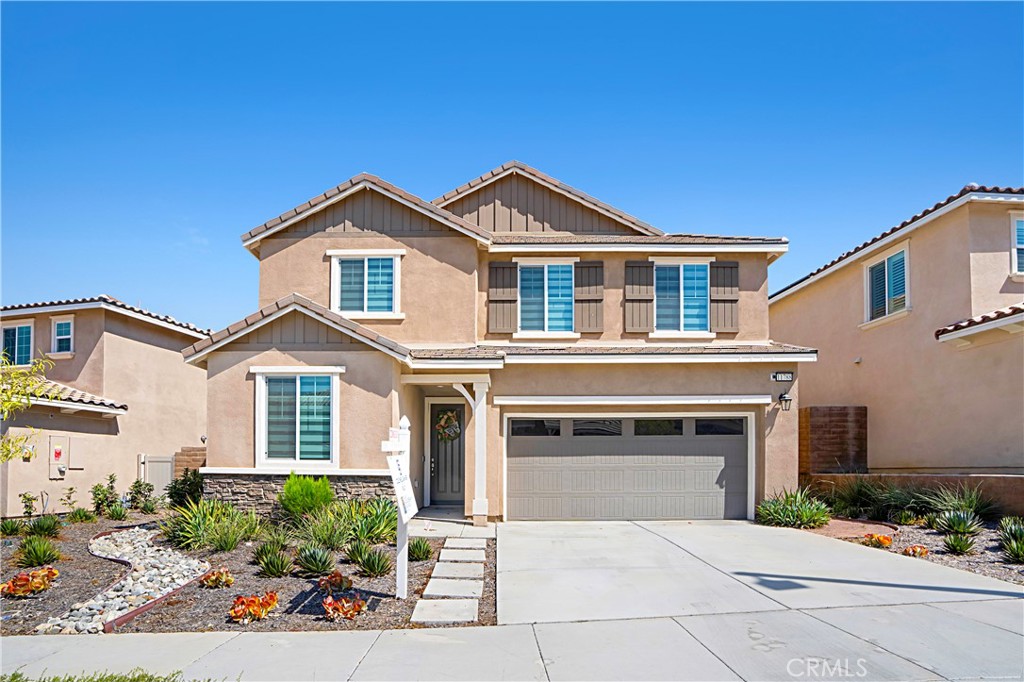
140, 140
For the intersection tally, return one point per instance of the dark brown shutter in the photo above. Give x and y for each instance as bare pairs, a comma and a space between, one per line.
589, 296
503, 298
639, 296
725, 296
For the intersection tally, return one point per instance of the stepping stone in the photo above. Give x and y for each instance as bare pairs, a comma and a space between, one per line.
448, 569
444, 587
462, 555
465, 543
440, 611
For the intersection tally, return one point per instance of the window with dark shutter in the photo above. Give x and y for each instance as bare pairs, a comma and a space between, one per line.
589, 296
639, 296
725, 296
503, 298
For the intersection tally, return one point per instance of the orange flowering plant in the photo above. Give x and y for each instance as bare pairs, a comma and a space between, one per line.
247, 609
344, 607
218, 577
915, 550
335, 582
26, 584
877, 540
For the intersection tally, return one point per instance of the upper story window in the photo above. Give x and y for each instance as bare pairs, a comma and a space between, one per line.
1017, 233
681, 297
18, 342
63, 334
546, 297
365, 284
296, 421
886, 286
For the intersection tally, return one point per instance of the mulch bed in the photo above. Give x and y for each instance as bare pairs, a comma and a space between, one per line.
199, 609
82, 576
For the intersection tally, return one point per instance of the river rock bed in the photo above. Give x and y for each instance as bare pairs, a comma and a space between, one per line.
155, 572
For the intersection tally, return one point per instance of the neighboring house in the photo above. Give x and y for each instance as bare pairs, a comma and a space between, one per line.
922, 325
117, 395
557, 358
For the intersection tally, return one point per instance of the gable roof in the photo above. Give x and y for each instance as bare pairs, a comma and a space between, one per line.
550, 182
970, 192
290, 303
349, 187
112, 304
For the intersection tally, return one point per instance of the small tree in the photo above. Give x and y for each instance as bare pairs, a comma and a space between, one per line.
18, 386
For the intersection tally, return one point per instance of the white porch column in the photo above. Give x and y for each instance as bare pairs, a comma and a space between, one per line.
480, 459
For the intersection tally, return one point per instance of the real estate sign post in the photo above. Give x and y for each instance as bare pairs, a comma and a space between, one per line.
398, 464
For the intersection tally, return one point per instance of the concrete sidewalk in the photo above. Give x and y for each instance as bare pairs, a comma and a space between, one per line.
951, 640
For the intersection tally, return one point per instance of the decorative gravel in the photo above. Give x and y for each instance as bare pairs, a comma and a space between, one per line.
155, 572
988, 558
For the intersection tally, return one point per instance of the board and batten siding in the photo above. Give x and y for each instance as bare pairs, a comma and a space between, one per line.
518, 204
368, 211
296, 331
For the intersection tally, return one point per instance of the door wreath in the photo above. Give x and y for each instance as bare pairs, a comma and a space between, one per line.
447, 426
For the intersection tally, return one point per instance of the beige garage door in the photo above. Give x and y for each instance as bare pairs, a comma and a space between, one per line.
612, 468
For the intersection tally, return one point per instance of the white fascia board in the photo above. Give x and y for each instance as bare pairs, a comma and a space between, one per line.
616, 400
899, 235
441, 379
298, 369
777, 249
984, 327
284, 471
70, 308
456, 364
660, 359
364, 253
70, 405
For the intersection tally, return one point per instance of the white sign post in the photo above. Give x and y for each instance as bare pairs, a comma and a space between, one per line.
398, 464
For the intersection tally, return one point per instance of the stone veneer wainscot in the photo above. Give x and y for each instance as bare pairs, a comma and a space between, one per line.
259, 491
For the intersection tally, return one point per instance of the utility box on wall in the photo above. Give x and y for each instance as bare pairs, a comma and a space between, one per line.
59, 455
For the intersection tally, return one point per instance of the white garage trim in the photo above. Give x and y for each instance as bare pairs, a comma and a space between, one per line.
632, 400
750, 417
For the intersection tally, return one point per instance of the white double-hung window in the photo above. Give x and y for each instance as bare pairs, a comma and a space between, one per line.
886, 285
546, 296
63, 334
682, 296
297, 416
1017, 245
366, 284
18, 342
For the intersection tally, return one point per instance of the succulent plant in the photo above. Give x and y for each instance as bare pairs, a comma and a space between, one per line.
43, 526
116, 512
877, 540
915, 550
958, 543
344, 607
960, 522
357, 549
903, 517
375, 563
313, 560
9, 527
218, 577
27, 584
1011, 528
275, 565
420, 549
36, 550
1013, 549
81, 515
248, 609
335, 582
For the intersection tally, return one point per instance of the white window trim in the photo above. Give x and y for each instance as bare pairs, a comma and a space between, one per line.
903, 246
30, 323
260, 454
680, 333
1016, 268
53, 337
396, 289
543, 333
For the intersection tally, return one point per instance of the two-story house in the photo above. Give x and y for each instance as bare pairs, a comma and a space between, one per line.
557, 357
116, 394
921, 325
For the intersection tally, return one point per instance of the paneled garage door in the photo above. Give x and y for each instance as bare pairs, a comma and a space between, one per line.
607, 468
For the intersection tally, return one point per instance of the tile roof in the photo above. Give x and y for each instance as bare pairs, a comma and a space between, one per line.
372, 180
529, 171
53, 390
641, 239
486, 352
104, 299
1000, 314
357, 330
967, 189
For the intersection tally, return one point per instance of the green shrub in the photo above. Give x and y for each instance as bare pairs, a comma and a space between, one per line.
276, 536
304, 494
420, 549
960, 498
81, 515
793, 509
43, 526
958, 523
116, 512
28, 503
958, 543
148, 507
903, 517
357, 550
193, 525
9, 527
853, 497
35, 551
275, 565
188, 488
1013, 549
375, 563
224, 537
103, 496
139, 492
325, 527
314, 561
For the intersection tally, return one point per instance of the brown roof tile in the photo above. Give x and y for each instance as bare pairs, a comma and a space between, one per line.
640, 239
53, 390
1000, 314
100, 300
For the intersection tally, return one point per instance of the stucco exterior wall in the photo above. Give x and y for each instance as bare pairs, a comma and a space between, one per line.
992, 285
85, 369
930, 406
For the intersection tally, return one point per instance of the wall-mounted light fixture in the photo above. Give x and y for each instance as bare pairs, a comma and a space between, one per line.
785, 401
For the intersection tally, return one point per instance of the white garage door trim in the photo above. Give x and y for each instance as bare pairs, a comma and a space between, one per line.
750, 418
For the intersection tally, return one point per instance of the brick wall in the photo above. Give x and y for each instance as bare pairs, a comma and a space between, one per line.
833, 439
1006, 489
191, 457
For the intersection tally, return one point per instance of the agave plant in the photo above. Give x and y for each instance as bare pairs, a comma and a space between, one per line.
1013, 550
81, 515
958, 543
193, 525
793, 509
420, 549
1011, 528
275, 565
959, 522
323, 527
314, 561
376, 563
960, 498
903, 517
357, 549
36, 550
44, 526
9, 527
117, 512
